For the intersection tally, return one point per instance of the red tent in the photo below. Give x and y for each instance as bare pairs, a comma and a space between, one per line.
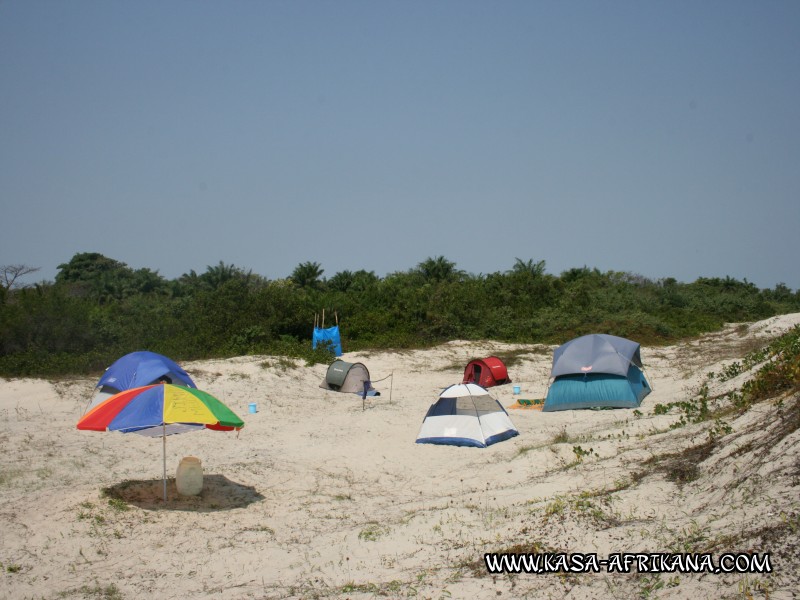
486, 372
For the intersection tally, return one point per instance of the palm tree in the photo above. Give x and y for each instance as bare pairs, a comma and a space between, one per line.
307, 274
528, 267
341, 282
215, 276
438, 269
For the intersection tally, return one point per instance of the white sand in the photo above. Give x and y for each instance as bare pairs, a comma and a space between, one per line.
317, 498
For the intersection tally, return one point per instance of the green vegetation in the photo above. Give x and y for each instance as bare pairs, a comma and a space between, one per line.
780, 372
372, 532
98, 309
108, 592
775, 370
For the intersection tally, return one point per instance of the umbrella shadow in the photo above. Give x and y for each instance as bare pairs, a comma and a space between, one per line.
219, 493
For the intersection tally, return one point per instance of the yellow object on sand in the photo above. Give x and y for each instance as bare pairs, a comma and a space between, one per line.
536, 404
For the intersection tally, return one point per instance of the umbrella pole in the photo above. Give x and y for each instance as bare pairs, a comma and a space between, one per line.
164, 454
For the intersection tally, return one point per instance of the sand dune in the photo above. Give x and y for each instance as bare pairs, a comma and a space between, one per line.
323, 496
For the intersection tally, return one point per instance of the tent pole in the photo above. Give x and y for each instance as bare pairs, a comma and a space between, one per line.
164, 454
477, 416
647, 379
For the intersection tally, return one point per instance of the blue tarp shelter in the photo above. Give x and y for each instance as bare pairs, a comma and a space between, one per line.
328, 337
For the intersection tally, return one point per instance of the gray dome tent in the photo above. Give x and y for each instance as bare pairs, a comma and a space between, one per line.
349, 377
595, 371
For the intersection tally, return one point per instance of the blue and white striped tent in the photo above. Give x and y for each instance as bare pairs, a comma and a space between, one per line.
466, 415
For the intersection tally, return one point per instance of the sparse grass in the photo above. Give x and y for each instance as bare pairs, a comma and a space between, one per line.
44, 472
562, 437
477, 566
778, 373
281, 363
361, 588
586, 505
510, 358
693, 538
681, 467
513, 358
118, 504
648, 584
390, 589
9, 475
749, 585
261, 529
589, 506
108, 592
787, 422
523, 450
556, 507
766, 536
372, 532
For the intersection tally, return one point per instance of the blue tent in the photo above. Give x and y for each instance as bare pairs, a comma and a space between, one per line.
596, 371
137, 369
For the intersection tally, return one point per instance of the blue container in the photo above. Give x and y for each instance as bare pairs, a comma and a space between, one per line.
252, 408
516, 389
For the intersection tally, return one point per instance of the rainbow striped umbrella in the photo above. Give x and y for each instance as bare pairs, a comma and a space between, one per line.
158, 411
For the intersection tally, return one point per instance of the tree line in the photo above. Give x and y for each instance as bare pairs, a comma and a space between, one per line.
98, 309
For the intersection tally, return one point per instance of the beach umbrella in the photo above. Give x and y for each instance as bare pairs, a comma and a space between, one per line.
138, 369
158, 411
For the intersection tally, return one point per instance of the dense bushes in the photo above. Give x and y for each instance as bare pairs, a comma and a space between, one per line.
98, 309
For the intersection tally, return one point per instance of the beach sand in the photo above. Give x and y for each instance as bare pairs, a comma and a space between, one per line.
322, 495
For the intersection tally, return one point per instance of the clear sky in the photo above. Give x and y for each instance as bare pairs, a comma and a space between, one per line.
656, 137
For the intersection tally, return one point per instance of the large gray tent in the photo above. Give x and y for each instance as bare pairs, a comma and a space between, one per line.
598, 353
597, 370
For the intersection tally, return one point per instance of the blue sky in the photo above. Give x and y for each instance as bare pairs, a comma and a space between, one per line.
656, 137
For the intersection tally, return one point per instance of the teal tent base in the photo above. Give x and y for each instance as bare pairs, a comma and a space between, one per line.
597, 390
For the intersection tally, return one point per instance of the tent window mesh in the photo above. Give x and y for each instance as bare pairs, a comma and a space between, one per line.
466, 405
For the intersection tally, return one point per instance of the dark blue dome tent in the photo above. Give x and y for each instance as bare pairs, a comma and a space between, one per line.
138, 369
596, 371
